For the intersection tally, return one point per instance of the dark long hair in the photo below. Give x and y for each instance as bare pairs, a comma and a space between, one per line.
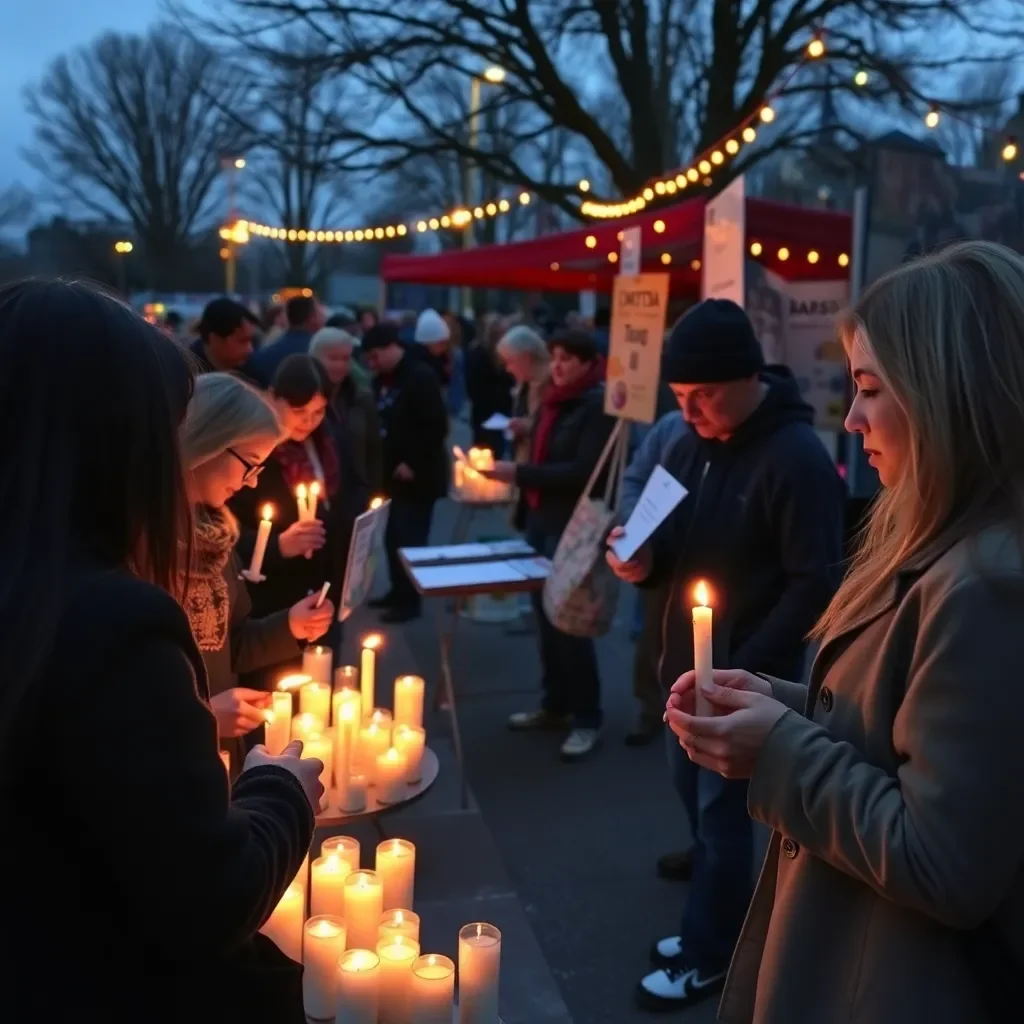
91, 399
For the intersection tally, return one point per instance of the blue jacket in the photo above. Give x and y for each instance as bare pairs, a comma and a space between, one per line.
654, 450
265, 362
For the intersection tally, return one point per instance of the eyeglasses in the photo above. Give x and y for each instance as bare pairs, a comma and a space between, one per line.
252, 469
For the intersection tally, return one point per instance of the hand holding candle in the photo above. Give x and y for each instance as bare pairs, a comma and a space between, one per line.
702, 646
311, 501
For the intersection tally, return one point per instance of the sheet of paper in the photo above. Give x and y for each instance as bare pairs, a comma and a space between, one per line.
504, 548
466, 574
447, 553
660, 495
532, 568
497, 421
366, 543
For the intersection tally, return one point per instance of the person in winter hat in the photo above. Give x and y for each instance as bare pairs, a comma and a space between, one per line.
434, 335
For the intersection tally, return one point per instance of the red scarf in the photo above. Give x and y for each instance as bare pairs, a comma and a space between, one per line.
550, 407
296, 467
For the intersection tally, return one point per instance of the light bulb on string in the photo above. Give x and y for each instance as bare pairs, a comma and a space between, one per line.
749, 134
816, 48
767, 114
1010, 150
931, 119
861, 78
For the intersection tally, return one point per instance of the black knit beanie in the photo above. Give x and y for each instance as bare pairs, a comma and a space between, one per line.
712, 343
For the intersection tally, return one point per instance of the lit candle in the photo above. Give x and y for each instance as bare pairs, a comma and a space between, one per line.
702, 647
411, 741
396, 959
396, 868
316, 663
321, 745
345, 847
358, 992
315, 698
479, 967
389, 776
323, 942
314, 497
293, 682
367, 668
304, 726
302, 875
373, 741
354, 795
225, 756
284, 926
346, 679
346, 695
364, 903
345, 725
433, 989
277, 730
399, 922
302, 502
327, 884
409, 700
262, 539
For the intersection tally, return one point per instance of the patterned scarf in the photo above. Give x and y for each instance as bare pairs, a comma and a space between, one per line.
206, 603
296, 467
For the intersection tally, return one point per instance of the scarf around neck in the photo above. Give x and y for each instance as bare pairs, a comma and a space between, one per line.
206, 601
297, 468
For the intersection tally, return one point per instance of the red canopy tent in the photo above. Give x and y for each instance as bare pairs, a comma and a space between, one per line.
795, 242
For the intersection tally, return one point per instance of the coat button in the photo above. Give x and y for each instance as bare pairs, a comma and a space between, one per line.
789, 848
825, 696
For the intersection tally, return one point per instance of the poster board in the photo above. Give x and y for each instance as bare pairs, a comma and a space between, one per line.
630, 252
639, 307
724, 256
360, 569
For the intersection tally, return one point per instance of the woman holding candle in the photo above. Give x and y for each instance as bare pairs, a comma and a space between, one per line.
165, 873
892, 890
229, 431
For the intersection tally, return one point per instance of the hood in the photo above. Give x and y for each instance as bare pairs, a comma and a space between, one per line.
782, 406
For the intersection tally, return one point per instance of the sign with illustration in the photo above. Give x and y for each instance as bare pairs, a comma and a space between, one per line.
724, 245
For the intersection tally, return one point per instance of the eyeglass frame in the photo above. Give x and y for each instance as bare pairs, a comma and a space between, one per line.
252, 469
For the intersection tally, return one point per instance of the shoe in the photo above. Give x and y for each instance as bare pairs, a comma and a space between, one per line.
537, 721
677, 988
384, 601
676, 867
644, 730
579, 743
668, 952
396, 614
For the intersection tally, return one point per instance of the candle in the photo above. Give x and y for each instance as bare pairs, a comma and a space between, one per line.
409, 700
411, 741
293, 682
323, 942
382, 718
314, 497
345, 725
316, 663
225, 756
315, 698
354, 799
389, 776
346, 681
278, 717
479, 965
373, 741
396, 959
284, 926
702, 647
345, 847
367, 667
358, 992
433, 989
396, 868
304, 726
321, 745
364, 898
327, 884
460, 475
302, 502
262, 539
302, 875
399, 922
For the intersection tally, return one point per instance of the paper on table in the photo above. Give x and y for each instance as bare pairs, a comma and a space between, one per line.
660, 495
497, 421
533, 568
466, 574
509, 547
447, 552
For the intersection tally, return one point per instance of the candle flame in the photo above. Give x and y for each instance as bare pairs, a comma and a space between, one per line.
392, 755
372, 642
267, 512
376, 503
399, 917
479, 930
314, 488
325, 929
432, 960
700, 592
295, 681
301, 492
348, 711
332, 862
396, 844
359, 960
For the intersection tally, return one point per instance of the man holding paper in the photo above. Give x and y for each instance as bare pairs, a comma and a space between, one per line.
762, 524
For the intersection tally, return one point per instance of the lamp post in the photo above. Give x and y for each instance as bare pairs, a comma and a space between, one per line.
492, 76
121, 249
232, 165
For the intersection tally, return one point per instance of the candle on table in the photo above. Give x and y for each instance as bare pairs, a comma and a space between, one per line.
304, 726
399, 922
364, 899
327, 884
354, 795
315, 699
314, 497
345, 733
277, 731
389, 776
433, 989
702, 647
346, 696
262, 539
346, 681
383, 718
284, 926
409, 700
411, 741
479, 967
396, 868
345, 847
321, 745
302, 502
302, 875
316, 663
367, 669
323, 942
373, 741
396, 959
358, 993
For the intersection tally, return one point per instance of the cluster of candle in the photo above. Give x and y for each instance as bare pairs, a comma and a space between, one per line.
360, 946
470, 484
306, 499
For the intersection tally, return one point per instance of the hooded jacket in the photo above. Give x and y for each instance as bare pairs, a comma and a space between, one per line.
762, 524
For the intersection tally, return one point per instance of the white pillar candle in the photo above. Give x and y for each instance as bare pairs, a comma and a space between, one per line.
302, 875
355, 794
346, 682
323, 942
367, 670
383, 718
302, 502
396, 868
225, 756
702, 647
344, 695
411, 741
278, 716
346, 724
321, 745
358, 991
304, 726
389, 776
284, 926
311, 501
409, 700
262, 539
316, 663
315, 698
364, 903
345, 847
327, 876
399, 922
479, 969
433, 989
292, 682
373, 741
396, 959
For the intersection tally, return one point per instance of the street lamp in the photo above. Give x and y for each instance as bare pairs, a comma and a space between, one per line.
231, 165
122, 249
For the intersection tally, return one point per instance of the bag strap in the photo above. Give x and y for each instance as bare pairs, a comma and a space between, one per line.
616, 470
610, 447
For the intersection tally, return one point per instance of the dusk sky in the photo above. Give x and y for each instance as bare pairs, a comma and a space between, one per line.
36, 31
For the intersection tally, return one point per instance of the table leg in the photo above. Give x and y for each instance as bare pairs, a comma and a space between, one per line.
446, 692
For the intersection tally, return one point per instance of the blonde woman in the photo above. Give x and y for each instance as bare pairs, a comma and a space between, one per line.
893, 890
229, 431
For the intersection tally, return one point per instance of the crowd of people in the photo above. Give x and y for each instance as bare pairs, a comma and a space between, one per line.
133, 476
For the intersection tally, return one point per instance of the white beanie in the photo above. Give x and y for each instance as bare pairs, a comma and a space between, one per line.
431, 328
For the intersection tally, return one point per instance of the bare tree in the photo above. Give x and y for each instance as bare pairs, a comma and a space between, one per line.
16, 206
133, 129
970, 138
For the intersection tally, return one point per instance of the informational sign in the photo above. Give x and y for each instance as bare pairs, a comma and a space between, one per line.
630, 252
367, 541
639, 305
724, 244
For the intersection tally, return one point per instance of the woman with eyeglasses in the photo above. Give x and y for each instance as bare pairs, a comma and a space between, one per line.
229, 431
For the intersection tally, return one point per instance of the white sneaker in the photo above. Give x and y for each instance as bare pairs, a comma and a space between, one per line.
670, 949
679, 989
579, 743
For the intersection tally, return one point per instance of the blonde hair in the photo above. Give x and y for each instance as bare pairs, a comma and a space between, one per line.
225, 411
328, 337
525, 341
947, 336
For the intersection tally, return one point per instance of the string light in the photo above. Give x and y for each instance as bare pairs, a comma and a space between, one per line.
659, 227
666, 258
844, 260
813, 256
755, 249
783, 254
816, 48
767, 114
584, 185
695, 264
861, 78
931, 119
1010, 150
613, 257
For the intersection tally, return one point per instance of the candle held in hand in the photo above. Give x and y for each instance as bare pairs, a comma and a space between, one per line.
278, 721
311, 501
302, 502
702, 646
262, 539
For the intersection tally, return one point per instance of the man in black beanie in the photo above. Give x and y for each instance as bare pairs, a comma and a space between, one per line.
762, 524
